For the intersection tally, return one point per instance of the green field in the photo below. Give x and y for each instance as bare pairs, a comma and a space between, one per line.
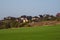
31, 33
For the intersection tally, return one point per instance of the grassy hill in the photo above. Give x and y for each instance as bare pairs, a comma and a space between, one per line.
31, 33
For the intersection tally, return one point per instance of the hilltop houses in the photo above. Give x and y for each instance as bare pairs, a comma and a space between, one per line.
25, 19
22, 21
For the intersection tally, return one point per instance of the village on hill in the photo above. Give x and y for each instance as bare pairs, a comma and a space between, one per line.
29, 21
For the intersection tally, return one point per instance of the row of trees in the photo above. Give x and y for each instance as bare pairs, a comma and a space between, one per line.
13, 22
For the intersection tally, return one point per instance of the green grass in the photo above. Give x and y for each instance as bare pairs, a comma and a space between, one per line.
31, 33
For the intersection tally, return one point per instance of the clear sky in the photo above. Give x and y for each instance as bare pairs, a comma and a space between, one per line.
28, 7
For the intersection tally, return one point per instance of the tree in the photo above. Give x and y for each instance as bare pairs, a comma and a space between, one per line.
23, 16
41, 16
29, 18
58, 16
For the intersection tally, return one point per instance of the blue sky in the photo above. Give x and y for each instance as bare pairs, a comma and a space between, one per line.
17, 8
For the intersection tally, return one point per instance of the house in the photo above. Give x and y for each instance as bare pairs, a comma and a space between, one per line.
19, 20
22, 19
35, 19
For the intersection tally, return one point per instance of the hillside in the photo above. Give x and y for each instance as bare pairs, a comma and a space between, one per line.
43, 23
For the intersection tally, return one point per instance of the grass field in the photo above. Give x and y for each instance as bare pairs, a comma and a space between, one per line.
31, 33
